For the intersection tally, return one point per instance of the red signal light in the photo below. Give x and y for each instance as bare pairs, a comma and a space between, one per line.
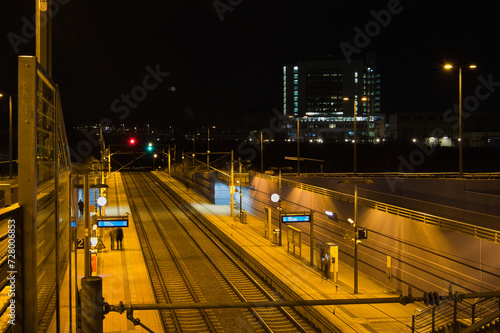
132, 141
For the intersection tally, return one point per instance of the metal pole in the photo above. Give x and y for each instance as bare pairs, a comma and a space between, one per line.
10, 137
43, 38
109, 160
92, 304
86, 205
356, 238
233, 305
208, 149
194, 147
279, 207
101, 164
231, 189
298, 147
460, 144
241, 193
355, 141
261, 154
168, 160
312, 238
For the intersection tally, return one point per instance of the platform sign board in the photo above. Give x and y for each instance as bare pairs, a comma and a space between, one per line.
295, 218
112, 222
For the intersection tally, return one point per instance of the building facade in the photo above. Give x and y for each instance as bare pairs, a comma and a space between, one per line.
480, 128
325, 94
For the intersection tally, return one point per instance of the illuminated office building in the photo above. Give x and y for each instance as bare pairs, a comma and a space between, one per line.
314, 91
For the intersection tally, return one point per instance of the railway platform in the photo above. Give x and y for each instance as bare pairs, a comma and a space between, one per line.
296, 273
124, 274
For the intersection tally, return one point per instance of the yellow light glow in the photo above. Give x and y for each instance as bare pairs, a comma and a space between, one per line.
448, 66
472, 66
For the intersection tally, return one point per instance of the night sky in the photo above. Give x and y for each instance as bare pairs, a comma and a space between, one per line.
227, 62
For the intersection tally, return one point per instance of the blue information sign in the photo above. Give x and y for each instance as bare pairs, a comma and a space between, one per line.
121, 223
296, 218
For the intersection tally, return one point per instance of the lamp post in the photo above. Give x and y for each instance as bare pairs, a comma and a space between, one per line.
10, 135
460, 142
354, 100
355, 224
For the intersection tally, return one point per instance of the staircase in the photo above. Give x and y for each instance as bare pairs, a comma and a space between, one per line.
452, 316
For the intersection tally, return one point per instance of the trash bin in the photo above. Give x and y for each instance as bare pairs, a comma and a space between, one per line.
244, 216
276, 236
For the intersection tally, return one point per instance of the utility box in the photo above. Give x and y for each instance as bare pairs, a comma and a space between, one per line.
276, 236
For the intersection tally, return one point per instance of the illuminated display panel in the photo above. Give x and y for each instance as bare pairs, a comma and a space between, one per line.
295, 218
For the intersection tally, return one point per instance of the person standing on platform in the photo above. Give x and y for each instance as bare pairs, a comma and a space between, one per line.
326, 266
322, 257
80, 207
119, 238
112, 237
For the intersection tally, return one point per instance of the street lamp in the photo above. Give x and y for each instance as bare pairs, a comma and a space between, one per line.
355, 99
355, 224
460, 143
10, 135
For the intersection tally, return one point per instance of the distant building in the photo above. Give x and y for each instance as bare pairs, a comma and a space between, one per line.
314, 90
479, 129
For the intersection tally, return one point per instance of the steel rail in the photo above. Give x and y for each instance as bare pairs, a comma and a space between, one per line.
157, 272
175, 259
230, 258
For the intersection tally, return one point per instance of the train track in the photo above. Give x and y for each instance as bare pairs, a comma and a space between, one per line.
187, 264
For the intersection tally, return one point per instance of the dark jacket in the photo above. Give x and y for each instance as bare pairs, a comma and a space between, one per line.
119, 234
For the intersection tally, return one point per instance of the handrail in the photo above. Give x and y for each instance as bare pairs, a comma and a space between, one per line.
478, 175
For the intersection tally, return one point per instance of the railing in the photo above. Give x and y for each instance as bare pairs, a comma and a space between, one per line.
8, 217
485, 308
450, 314
479, 175
4, 169
243, 177
448, 224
